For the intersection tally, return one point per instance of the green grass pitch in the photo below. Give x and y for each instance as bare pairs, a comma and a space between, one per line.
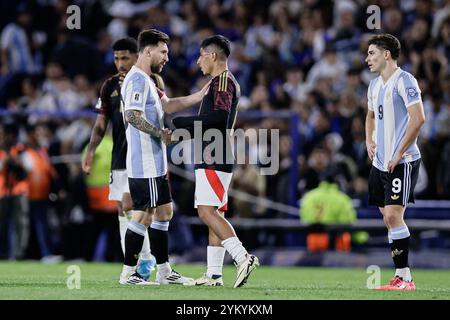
31, 280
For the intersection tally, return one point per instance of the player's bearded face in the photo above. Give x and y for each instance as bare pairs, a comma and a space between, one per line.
159, 57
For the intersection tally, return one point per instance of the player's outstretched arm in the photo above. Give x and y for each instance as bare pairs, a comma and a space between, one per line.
135, 118
209, 120
172, 105
98, 132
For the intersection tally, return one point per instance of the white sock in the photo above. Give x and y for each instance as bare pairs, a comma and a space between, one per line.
145, 253
389, 237
235, 249
404, 273
128, 270
164, 269
215, 260
123, 225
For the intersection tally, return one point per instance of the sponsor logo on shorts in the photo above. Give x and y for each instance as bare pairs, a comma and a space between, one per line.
395, 197
396, 252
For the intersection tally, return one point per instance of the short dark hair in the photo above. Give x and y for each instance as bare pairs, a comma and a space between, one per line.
387, 42
151, 37
128, 43
218, 40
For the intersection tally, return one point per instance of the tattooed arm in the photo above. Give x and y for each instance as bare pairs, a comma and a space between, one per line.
134, 117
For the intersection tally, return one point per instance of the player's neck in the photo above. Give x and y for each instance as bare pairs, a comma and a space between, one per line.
219, 69
388, 71
144, 67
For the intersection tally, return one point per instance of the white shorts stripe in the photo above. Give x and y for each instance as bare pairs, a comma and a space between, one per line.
408, 182
152, 193
404, 183
156, 190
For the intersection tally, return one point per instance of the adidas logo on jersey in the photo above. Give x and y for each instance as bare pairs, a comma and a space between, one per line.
395, 197
114, 94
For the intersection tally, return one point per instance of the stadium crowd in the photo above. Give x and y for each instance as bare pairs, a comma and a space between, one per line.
306, 57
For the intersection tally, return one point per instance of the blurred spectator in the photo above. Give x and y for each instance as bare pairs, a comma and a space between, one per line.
317, 168
434, 136
77, 55
440, 15
342, 166
356, 87
347, 34
121, 11
17, 45
417, 36
294, 84
34, 99
356, 146
443, 38
326, 204
329, 67
104, 242
13, 195
20, 53
320, 128
431, 64
393, 22
247, 178
278, 184
40, 175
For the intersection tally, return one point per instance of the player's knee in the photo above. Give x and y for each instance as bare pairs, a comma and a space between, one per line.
204, 212
146, 220
126, 203
163, 216
126, 208
392, 218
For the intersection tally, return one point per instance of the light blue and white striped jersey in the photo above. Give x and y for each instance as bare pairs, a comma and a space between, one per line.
146, 155
390, 102
14, 39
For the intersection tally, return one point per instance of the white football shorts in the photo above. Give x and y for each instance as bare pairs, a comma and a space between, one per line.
211, 188
118, 184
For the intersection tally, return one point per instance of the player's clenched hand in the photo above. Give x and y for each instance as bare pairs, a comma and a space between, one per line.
86, 163
167, 136
121, 78
371, 146
393, 163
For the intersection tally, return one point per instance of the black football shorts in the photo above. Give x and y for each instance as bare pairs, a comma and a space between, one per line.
396, 188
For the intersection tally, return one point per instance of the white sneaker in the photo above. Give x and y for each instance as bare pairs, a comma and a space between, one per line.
245, 269
136, 279
52, 259
205, 281
172, 278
